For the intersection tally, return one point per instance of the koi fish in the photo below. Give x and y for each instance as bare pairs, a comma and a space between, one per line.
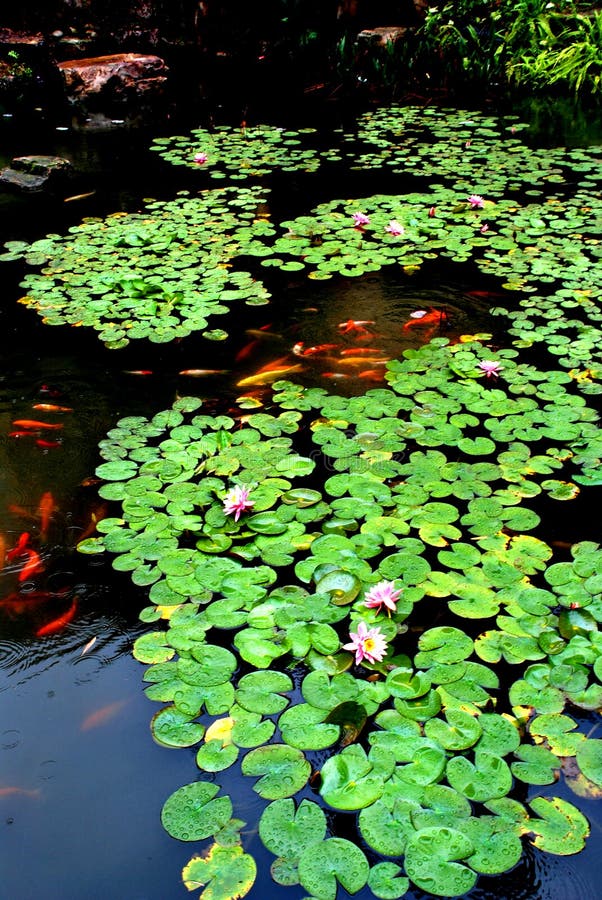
372, 375
138, 372
79, 197
335, 375
247, 350
103, 715
265, 377
45, 509
274, 364
263, 335
20, 546
48, 445
363, 361
58, 624
23, 434
22, 792
34, 424
88, 646
198, 373
33, 565
428, 317
51, 407
96, 516
2, 551
361, 351
358, 325
300, 350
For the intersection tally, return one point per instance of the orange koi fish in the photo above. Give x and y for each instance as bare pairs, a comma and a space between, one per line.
20, 546
103, 715
352, 325
361, 351
23, 434
34, 424
2, 551
58, 624
335, 375
51, 407
22, 792
138, 372
33, 565
372, 374
427, 317
46, 508
97, 515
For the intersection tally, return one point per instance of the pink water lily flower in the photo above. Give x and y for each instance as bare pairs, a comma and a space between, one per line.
201, 158
395, 228
490, 367
484, 228
383, 594
367, 643
476, 202
432, 212
237, 501
360, 219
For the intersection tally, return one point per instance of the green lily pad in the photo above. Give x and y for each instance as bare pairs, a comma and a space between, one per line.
333, 861
430, 861
229, 872
348, 780
283, 770
193, 812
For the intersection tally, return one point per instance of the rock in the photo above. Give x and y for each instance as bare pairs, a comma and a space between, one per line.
34, 173
381, 36
118, 86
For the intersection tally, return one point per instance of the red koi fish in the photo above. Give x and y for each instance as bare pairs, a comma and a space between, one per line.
199, 373
20, 546
247, 350
300, 350
58, 624
103, 715
33, 424
427, 317
138, 372
51, 407
23, 434
46, 508
33, 565
48, 445
355, 325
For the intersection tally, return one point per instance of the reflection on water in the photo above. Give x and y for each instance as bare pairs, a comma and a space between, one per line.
81, 781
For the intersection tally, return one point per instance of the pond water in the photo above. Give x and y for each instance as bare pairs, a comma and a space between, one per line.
82, 782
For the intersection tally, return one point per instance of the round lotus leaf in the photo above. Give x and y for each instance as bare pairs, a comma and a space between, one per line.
487, 779
348, 781
497, 842
560, 828
440, 806
420, 709
386, 881
407, 684
539, 765
342, 587
193, 813
172, 728
209, 665
460, 732
152, 648
589, 759
500, 734
557, 731
430, 856
229, 872
303, 726
427, 766
333, 861
325, 693
287, 831
214, 756
283, 770
260, 692
442, 644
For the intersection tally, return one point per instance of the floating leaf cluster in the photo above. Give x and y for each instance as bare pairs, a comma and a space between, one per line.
425, 485
241, 153
159, 274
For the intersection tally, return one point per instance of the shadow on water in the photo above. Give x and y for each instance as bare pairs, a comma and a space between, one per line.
81, 781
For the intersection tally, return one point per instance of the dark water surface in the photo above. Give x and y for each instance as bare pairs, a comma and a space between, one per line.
82, 782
